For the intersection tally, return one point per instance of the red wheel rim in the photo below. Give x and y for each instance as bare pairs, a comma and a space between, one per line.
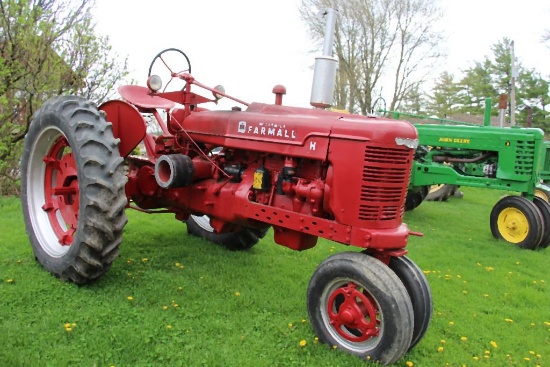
353, 314
61, 191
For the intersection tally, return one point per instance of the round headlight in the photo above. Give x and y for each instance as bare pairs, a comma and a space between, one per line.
154, 83
220, 89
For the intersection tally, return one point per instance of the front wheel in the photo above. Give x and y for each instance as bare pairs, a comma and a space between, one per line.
242, 239
358, 304
517, 220
419, 292
73, 190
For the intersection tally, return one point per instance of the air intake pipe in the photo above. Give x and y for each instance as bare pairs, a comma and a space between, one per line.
179, 170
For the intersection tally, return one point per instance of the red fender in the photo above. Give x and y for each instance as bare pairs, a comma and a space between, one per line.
128, 124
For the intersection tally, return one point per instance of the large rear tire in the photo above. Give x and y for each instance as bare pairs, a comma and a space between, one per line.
73, 190
358, 304
242, 239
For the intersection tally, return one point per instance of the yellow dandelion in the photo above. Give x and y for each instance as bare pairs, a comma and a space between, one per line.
532, 353
440, 349
547, 323
303, 343
336, 347
178, 264
494, 344
169, 327
527, 359
237, 294
463, 338
487, 352
409, 364
9, 281
290, 325
130, 298
164, 307
464, 292
489, 268
475, 358
68, 329
487, 356
442, 341
316, 339
303, 321
485, 295
73, 324
508, 320
66, 325
451, 323
426, 271
144, 259
175, 305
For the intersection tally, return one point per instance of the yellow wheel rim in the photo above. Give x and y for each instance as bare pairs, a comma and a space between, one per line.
543, 195
513, 225
435, 188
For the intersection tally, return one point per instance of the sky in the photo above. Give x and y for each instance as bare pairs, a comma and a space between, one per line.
249, 46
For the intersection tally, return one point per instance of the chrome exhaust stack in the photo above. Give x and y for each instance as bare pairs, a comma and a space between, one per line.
324, 74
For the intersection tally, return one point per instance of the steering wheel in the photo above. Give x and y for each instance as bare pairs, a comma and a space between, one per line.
161, 66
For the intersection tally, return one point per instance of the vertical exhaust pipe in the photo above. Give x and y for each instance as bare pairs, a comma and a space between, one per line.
324, 74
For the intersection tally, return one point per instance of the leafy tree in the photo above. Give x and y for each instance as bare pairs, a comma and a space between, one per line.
48, 47
488, 79
377, 40
444, 99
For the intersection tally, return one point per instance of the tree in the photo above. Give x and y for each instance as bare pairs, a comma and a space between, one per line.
378, 42
492, 76
48, 47
444, 99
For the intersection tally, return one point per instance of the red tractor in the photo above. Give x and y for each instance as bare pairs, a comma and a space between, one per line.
232, 175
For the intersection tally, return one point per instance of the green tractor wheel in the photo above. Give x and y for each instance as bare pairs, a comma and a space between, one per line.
517, 220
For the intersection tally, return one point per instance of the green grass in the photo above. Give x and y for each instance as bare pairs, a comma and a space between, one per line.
195, 304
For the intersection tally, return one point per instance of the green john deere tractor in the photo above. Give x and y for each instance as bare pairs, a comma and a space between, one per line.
453, 154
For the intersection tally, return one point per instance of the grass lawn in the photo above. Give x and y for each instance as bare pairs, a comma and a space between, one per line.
175, 300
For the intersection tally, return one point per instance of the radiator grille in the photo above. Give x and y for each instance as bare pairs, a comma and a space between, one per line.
386, 173
525, 158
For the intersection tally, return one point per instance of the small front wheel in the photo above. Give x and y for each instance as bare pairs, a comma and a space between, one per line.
517, 220
419, 291
358, 304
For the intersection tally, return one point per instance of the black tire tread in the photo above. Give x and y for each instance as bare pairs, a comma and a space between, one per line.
101, 187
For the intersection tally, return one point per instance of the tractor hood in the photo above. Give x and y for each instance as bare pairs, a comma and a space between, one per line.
295, 131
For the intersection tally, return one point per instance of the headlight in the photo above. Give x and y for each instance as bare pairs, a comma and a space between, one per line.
154, 83
219, 88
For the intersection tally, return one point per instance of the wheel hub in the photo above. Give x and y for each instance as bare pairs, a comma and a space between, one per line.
353, 314
61, 191
513, 224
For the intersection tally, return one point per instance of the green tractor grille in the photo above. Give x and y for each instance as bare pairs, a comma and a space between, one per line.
525, 158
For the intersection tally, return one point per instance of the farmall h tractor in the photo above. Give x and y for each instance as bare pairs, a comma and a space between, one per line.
232, 175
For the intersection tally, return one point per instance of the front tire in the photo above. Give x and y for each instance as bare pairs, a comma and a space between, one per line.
419, 292
517, 220
73, 190
358, 304
242, 239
